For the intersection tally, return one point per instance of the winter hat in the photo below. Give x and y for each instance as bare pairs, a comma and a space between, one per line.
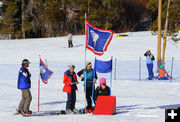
25, 61
102, 81
161, 66
71, 65
88, 63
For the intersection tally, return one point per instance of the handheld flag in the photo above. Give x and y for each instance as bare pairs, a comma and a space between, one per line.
45, 73
97, 40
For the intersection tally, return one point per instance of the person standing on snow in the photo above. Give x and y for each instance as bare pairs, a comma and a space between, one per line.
24, 84
149, 62
88, 73
70, 44
102, 89
70, 81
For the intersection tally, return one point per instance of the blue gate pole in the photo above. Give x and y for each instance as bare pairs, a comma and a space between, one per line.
139, 68
115, 69
93, 82
111, 76
172, 69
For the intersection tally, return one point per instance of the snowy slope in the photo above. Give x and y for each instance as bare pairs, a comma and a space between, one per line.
136, 101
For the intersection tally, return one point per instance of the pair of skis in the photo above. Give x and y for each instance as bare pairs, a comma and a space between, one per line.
62, 112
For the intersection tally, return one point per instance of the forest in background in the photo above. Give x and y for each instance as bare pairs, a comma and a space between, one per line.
52, 18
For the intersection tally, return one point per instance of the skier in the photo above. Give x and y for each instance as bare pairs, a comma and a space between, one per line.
162, 74
88, 73
24, 84
70, 44
102, 89
70, 81
149, 62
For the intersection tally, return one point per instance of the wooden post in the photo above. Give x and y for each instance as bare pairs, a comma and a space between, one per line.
159, 36
165, 33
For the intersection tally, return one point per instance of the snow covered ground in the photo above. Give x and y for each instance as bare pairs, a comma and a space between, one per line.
137, 101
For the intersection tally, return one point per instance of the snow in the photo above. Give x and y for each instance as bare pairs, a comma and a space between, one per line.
137, 101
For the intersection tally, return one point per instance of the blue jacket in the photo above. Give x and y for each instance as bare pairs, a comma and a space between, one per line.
24, 81
89, 76
149, 58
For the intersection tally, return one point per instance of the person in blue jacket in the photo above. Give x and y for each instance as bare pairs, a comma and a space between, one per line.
24, 84
87, 75
149, 62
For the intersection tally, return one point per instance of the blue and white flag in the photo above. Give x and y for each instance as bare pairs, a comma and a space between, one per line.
45, 73
97, 40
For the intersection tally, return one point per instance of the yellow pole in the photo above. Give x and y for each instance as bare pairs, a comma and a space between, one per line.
159, 35
165, 32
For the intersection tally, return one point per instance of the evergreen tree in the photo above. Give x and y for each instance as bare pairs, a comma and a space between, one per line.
9, 21
173, 20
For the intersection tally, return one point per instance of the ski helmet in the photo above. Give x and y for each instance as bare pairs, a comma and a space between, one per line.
161, 66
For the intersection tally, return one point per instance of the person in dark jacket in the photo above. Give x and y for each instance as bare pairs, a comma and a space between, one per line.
102, 89
87, 75
24, 84
70, 81
149, 62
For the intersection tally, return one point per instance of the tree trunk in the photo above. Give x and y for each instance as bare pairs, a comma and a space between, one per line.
65, 19
159, 36
23, 19
42, 27
165, 32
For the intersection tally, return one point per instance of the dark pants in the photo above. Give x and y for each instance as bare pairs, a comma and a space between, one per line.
89, 97
150, 71
70, 43
71, 100
163, 78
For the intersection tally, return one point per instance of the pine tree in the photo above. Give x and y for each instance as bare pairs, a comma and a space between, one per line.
9, 19
173, 20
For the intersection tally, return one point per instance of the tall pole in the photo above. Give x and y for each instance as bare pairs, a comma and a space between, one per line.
85, 63
159, 36
165, 33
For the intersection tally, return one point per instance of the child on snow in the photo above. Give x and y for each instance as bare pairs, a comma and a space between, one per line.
102, 89
70, 81
149, 62
162, 74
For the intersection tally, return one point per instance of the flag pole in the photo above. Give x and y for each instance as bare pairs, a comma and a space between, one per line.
85, 62
39, 86
46, 63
